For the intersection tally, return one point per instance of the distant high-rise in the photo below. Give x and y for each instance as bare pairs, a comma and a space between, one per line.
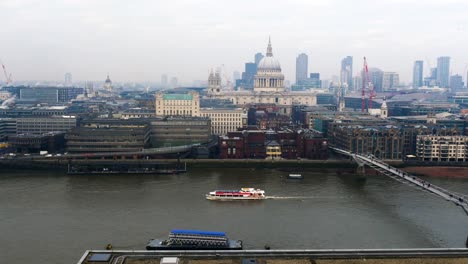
236, 76
164, 80
456, 83
418, 74
390, 81
248, 75
346, 73
376, 78
258, 57
443, 71
357, 82
431, 80
68, 78
174, 82
302, 62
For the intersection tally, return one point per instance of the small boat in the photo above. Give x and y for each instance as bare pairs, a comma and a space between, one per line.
242, 194
194, 240
295, 176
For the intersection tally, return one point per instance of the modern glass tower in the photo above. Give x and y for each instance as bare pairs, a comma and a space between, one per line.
443, 71
418, 74
346, 73
302, 62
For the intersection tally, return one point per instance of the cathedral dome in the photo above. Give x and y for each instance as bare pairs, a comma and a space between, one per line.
269, 63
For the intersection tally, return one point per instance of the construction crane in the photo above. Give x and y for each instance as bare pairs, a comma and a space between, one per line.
7, 77
366, 81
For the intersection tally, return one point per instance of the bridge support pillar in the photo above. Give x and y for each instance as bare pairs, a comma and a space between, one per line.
361, 171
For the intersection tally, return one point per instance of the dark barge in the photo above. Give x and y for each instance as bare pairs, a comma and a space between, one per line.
195, 240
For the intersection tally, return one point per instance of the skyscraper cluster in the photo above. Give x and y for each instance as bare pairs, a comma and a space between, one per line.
439, 76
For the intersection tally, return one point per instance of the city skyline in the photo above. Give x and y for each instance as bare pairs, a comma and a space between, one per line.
90, 39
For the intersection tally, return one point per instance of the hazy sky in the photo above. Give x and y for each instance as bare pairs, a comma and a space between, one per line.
142, 39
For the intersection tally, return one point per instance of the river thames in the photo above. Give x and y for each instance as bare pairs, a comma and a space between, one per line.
49, 217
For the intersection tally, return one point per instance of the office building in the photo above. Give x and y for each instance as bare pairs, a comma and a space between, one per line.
443, 71
431, 80
109, 135
224, 120
174, 82
346, 73
41, 125
247, 78
302, 62
178, 131
418, 74
258, 57
51, 142
236, 75
376, 78
7, 128
456, 83
68, 79
48, 95
357, 83
164, 81
171, 104
391, 80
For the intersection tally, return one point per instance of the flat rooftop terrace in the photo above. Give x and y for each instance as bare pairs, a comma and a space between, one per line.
341, 256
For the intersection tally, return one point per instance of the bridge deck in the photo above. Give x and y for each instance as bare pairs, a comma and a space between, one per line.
457, 198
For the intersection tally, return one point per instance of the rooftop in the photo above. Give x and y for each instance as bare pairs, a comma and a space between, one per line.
335, 256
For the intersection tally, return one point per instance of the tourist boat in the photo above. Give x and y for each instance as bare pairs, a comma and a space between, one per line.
295, 176
194, 240
242, 194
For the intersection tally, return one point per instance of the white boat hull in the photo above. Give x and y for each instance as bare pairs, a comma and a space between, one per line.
217, 198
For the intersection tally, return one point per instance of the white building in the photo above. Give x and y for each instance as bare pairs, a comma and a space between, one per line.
177, 104
225, 120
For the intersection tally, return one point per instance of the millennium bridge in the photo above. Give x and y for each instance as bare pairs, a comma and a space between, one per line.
404, 177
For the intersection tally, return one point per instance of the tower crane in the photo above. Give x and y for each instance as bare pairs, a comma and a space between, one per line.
7, 77
366, 81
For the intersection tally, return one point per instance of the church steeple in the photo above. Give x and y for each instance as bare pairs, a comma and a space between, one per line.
269, 49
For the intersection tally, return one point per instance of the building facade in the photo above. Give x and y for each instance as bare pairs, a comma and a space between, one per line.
109, 135
178, 131
177, 104
258, 144
225, 120
27, 143
41, 125
442, 148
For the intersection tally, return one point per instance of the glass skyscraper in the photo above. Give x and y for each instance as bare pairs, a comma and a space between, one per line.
443, 71
418, 74
302, 62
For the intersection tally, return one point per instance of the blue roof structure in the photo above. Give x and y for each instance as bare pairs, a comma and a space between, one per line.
197, 232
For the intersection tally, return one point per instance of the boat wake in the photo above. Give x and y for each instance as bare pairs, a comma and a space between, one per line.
303, 197
289, 197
